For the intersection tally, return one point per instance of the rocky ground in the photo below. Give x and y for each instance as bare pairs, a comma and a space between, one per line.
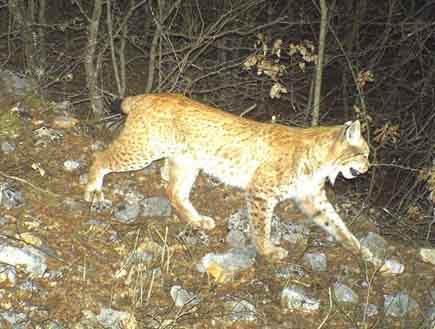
130, 263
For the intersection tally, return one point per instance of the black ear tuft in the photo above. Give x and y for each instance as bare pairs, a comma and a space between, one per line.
115, 107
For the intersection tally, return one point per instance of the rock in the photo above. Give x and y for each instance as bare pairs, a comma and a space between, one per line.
371, 310
133, 196
224, 266
156, 207
32, 259
236, 239
242, 311
427, 255
294, 233
10, 197
374, 247
15, 84
52, 324
7, 147
392, 266
292, 270
294, 298
316, 261
71, 165
239, 221
45, 135
16, 320
344, 294
108, 319
399, 305
127, 212
182, 297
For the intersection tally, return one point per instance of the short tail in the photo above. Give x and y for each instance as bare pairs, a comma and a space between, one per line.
116, 106
122, 105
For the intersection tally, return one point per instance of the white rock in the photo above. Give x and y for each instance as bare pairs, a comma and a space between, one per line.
32, 259
428, 255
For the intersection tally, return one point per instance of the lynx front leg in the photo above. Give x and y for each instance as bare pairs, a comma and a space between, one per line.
260, 214
182, 175
323, 214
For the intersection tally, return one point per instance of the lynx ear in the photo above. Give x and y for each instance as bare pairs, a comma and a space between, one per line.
353, 132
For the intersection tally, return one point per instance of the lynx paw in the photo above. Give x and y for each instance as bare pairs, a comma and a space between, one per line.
205, 223
277, 253
94, 196
270, 251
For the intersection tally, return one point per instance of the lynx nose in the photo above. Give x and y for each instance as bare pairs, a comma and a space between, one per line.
354, 172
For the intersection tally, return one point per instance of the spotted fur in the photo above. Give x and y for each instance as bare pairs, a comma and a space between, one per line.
270, 162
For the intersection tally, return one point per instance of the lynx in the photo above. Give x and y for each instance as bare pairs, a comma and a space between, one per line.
270, 162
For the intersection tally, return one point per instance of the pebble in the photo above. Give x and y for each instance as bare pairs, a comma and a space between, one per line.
345, 294
8, 147
156, 207
316, 261
295, 298
182, 297
242, 311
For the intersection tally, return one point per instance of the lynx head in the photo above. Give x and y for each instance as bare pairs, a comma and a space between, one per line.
351, 152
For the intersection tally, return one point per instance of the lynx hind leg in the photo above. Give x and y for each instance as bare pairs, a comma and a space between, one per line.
260, 214
97, 171
181, 175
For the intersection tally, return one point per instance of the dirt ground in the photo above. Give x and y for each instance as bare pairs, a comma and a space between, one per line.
90, 249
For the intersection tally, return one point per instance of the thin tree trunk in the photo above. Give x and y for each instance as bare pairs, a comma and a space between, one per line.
319, 67
153, 53
112, 46
91, 68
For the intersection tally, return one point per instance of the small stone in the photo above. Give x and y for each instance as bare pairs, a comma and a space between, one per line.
224, 266
182, 297
71, 165
156, 207
111, 318
295, 298
292, 270
242, 311
428, 255
17, 320
7, 147
127, 212
316, 261
399, 304
371, 310
375, 246
236, 239
345, 294
392, 266
10, 197
294, 233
